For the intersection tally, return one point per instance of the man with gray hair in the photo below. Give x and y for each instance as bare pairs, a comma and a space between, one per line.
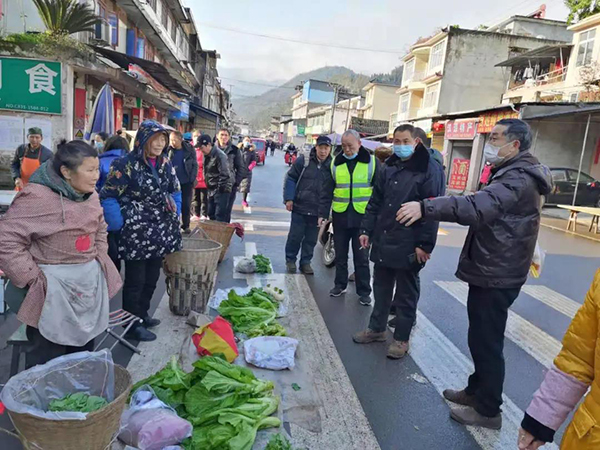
504, 220
347, 189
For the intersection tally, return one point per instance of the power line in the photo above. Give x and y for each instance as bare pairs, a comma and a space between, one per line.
259, 84
298, 41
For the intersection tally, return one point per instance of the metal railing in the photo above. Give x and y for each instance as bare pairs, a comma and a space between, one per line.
556, 76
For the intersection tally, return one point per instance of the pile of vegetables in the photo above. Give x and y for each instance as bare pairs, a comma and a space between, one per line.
253, 314
78, 402
263, 264
278, 442
225, 403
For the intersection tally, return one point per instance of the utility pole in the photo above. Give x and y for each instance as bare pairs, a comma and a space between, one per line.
336, 92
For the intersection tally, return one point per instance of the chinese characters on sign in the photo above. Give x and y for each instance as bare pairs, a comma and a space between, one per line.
487, 121
461, 129
459, 174
31, 85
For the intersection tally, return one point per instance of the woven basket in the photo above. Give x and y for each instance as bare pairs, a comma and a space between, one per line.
190, 273
218, 231
96, 432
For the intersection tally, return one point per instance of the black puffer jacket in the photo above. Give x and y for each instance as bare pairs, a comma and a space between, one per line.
306, 194
419, 178
216, 172
235, 159
504, 220
190, 161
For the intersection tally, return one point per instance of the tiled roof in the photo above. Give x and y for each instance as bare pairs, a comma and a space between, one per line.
369, 127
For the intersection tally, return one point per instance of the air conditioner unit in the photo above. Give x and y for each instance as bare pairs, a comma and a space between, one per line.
102, 34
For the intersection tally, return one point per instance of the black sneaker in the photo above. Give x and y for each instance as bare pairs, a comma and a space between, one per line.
365, 300
290, 267
149, 322
337, 291
140, 334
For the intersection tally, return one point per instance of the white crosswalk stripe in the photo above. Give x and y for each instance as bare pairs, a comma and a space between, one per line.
539, 344
553, 299
446, 367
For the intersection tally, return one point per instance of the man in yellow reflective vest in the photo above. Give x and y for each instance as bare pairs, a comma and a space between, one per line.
347, 191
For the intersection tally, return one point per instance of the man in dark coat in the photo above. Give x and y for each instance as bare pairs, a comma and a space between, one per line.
301, 191
348, 187
183, 158
29, 157
503, 220
217, 178
399, 253
236, 166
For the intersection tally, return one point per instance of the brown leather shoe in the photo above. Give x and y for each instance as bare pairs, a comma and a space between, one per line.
397, 349
459, 397
468, 416
368, 336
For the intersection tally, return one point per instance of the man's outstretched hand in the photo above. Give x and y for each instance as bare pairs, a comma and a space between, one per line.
409, 213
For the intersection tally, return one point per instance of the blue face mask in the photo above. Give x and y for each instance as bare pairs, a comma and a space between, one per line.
350, 157
404, 151
99, 145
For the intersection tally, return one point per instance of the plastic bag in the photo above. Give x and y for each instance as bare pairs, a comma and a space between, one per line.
216, 337
31, 391
246, 265
149, 424
537, 263
271, 352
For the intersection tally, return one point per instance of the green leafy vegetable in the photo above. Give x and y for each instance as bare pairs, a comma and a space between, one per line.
263, 264
278, 442
249, 311
79, 402
270, 329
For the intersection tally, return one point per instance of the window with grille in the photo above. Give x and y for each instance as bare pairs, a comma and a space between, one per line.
431, 96
404, 103
437, 56
586, 47
409, 70
113, 20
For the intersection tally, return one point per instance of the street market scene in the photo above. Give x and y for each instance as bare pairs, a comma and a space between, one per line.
290, 226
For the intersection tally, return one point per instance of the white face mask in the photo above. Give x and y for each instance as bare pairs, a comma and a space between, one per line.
490, 153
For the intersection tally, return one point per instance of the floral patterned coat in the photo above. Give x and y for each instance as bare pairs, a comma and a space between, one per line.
143, 201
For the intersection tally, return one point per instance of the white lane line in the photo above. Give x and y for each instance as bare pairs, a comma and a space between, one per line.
264, 223
537, 343
247, 209
553, 299
251, 249
447, 368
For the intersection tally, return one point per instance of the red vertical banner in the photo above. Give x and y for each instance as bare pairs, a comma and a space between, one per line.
459, 174
118, 105
79, 114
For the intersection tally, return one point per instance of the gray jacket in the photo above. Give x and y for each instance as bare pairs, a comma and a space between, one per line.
504, 220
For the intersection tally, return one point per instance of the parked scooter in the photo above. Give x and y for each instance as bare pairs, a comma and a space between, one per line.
326, 240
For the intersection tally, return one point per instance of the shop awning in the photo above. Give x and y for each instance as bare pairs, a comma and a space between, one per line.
545, 53
167, 77
201, 109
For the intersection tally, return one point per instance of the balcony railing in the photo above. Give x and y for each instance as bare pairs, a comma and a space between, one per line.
408, 114
555, 76
416, 76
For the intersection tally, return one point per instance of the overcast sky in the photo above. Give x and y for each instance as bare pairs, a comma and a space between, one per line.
391, 25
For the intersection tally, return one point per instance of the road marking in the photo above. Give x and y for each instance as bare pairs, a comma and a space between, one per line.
264, 223
447, 368
247, 209
553, 299
537, 343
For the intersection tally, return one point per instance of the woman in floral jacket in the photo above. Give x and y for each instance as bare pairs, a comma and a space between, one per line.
142, 199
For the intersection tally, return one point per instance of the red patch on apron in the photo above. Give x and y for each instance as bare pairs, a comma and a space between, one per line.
83, 243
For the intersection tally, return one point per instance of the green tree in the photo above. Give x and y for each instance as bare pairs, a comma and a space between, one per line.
64, 17
580, 9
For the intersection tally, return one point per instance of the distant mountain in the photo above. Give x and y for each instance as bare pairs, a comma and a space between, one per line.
258, 110
245, 82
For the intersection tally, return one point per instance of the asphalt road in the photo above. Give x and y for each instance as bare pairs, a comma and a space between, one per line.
402, 399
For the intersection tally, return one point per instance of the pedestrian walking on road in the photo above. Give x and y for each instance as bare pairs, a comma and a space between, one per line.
54, 249
217, 178
575, 370
399, 253
29, 157
504, 220
183, 158
200, 192
347, 189
301, 190
116, 147
249, 156
237, 169
142, 199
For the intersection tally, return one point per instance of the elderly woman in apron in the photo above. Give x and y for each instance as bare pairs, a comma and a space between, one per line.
29, 157
54, 252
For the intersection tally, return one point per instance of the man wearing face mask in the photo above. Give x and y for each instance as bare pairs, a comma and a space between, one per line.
504, 220
399, 253
347, 188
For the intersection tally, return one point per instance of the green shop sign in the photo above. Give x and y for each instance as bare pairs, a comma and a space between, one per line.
301, 130
31, 85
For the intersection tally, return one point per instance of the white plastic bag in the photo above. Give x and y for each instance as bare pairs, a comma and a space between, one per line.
271, 352
31, 391
537, 263
149, 424
246, 265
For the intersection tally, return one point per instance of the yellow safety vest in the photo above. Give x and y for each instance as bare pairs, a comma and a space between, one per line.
360, 184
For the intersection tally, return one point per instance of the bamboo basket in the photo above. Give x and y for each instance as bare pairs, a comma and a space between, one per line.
220, 232
96, 432
190, 273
